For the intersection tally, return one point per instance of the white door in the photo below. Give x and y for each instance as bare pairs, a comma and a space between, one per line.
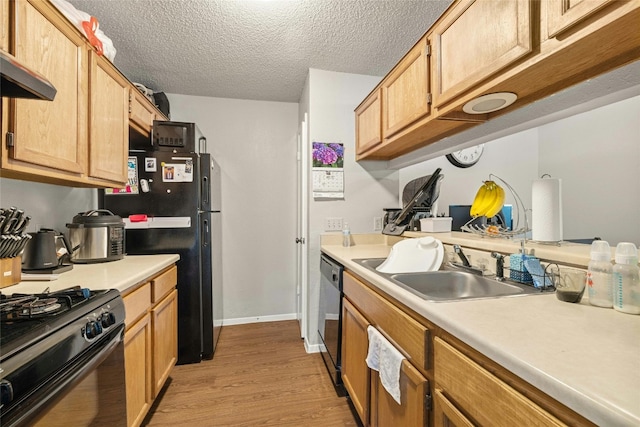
302, 227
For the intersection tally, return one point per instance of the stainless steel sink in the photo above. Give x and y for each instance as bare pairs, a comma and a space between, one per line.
450, 284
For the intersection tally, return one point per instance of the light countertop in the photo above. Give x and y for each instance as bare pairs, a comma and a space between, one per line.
120, 275
586, 357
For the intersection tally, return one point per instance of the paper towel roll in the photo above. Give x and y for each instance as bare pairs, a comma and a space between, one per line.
546, 206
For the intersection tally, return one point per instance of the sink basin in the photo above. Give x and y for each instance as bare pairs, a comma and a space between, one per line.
450, 285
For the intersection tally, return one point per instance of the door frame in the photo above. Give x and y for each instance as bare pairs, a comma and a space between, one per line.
302, 228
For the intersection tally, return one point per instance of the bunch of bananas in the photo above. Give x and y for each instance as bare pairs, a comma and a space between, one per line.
488, 201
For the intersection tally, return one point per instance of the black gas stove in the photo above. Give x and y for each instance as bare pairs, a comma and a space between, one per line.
48, 340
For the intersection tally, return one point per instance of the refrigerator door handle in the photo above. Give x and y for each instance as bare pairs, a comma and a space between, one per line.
205, 190
205, 232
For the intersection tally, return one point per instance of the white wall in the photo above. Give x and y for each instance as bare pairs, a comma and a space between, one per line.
595, 153
513, 158
332, 100
597, 156
255, 144
49, 206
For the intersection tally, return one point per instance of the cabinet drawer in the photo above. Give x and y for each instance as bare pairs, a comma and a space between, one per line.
480, 395
410, 336
136, 303
163, 284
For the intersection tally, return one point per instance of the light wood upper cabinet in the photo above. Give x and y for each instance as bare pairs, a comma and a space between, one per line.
4, 25
405, 91
355, 372
50, 135
368, 123
109, 125
141, 113
481, 47
475, 40
562, 14
82, 137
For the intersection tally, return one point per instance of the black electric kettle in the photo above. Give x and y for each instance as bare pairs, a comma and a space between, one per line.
46, 252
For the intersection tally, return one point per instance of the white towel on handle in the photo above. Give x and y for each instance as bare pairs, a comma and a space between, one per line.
383, 357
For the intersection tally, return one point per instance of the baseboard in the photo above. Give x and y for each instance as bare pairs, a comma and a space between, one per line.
311, 348
259, 319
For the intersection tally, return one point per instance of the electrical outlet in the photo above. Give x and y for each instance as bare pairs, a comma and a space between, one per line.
333, 224
377, 223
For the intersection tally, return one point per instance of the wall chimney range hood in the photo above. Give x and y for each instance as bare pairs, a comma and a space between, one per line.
19, 81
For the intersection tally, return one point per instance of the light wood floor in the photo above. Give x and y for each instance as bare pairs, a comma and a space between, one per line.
260, 375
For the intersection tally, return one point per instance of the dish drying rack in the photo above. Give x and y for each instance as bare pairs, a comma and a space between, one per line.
499, 231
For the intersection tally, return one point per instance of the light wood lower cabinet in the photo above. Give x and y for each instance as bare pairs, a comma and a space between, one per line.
480, 398
164, 321
151, 341
462, 386
385, 411
375, 407
355, 372
137, 365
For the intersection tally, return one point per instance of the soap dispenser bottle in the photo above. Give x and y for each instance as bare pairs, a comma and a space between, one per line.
600, 275
626, 279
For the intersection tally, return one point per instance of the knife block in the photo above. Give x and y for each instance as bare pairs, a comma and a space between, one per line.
11, 271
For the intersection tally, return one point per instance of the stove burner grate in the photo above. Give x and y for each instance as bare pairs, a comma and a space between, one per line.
28, 307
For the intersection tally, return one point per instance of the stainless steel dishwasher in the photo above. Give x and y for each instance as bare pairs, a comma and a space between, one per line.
330, 319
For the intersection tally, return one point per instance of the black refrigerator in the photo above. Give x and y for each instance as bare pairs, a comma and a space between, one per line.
172, 204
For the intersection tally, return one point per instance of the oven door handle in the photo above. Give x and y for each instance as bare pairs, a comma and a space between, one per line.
56, 387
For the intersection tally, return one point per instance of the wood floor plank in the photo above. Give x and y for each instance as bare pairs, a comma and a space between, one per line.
260, 376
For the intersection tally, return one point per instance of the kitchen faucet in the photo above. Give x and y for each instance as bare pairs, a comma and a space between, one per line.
499, 266
466, 265
457, 249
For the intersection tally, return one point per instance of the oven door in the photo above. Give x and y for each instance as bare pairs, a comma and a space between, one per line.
89, 391
330, 318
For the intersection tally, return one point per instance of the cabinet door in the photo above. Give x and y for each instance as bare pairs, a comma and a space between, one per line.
561, 15
141, 113
51, 135
368, 128
355, 372
164, 320
109, 125
476, 40
405, 92
414, 388
446, 414
137, 365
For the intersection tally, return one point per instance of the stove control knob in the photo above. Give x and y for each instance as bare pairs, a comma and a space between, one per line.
107, 319
93, 329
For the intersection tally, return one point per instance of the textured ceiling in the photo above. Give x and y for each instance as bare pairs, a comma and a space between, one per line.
260, 50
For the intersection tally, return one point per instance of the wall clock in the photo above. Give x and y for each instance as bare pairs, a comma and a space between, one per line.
466, 157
